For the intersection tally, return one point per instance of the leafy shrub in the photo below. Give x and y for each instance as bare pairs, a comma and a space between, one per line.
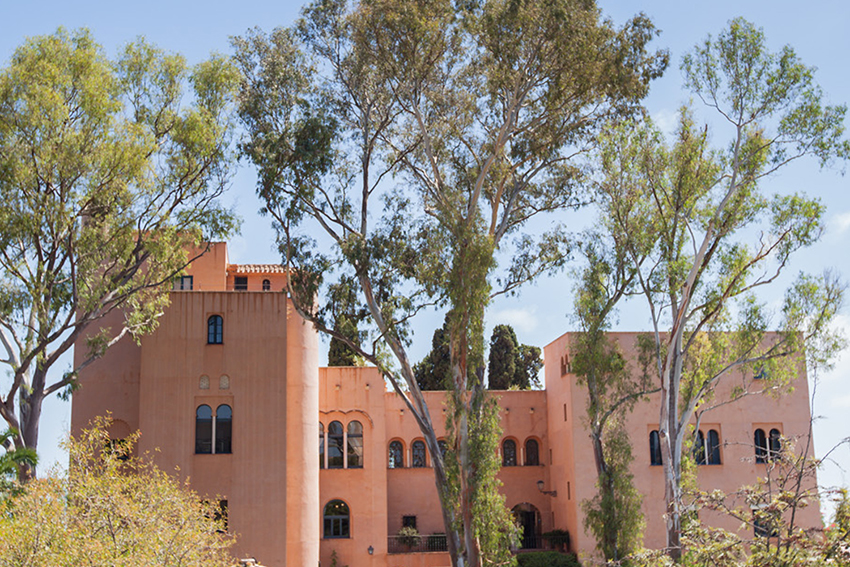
547, 559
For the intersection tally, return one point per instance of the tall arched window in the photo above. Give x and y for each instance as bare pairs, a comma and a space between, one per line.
760, 443
321, 445
532, 453
699, 449
337, 519
223, 427
335, 452
509, 453
203, 429
441, 443
654, 448
267, 285
713, 447
417, 454
396, 457
355, 445
215, 330
775, 444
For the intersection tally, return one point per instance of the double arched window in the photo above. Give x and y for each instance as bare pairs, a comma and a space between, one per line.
767, 447
213, 433
340, 450
707, 453
337, 520
215, 330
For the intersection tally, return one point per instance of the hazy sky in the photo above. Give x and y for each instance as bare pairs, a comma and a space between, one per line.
816, 29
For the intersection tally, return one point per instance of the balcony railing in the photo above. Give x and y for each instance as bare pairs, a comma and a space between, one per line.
423, 544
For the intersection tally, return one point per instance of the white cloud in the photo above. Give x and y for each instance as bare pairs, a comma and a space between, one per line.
666, 120
840, 223
522, 320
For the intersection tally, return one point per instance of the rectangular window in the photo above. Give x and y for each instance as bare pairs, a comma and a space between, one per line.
408, 522
183, 283
565, 412
241, 283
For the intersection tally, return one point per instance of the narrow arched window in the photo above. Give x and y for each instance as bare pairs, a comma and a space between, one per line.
203, 429
355, 445
441, 443
775, 444
267, 285
699, 449
215, 330
509, 453
335, 450
713, 447
417, 454
654, 448
337, 519
760, 443
223, 429
396, 456
532, 453
321, 445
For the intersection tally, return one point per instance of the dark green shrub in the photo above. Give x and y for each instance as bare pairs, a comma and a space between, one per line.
547, 559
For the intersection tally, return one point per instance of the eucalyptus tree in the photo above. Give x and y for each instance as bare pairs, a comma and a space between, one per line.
705, 238
419, 138
106, 179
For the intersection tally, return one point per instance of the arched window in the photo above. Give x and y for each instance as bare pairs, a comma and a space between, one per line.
215, 330
321, 445
337, 519
396, 457
203, 429
713, 447
417, 456
509, 453
775, 444
699, 449
223, 427
335, 454
532, 453
224, 382
654, 448
267, 285
441, 443
355, 445
204, 383
760, 443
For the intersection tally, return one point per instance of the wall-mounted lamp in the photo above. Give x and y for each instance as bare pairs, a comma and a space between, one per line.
371, 550
549, 492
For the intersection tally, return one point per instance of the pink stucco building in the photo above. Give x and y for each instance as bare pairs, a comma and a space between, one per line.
311, 461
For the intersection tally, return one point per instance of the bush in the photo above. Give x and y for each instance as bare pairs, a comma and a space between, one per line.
547, 559
408, 536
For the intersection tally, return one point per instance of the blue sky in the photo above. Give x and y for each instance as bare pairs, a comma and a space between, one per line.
816, 29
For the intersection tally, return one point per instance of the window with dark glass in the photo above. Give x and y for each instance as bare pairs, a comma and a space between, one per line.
509, 453
396, 456
699, 449
408, 522
713, 447
775, 444
215, 330
267, 285
240, 283
183, 283
441, 443
532, 453
223, 426
417, 454
654, 448
203, 429
760, 444
335, 448
355, 445
321, 445
336, 519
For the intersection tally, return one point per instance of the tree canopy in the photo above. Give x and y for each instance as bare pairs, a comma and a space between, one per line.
109, 181
511, 364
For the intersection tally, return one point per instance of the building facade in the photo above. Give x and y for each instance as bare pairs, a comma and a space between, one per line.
311, 461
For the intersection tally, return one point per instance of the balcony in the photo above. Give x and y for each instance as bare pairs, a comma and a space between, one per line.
433, 543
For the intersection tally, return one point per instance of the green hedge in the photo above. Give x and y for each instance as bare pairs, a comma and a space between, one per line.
547, 559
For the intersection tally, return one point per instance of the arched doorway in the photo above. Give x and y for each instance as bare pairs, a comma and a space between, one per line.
528, 518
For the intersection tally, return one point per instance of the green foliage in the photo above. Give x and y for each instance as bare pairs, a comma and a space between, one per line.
10, 460
110, 181
347, 315
547, 559
409, 536
110, 508
434, 371
680, 216
512, 365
